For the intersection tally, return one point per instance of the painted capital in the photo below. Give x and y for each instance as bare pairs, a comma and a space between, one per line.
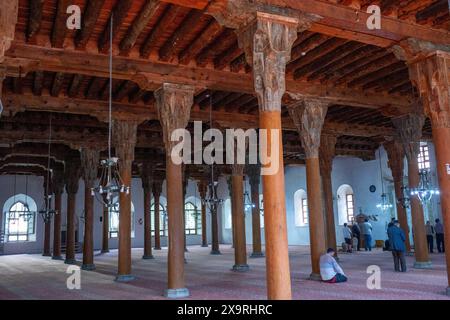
8, 19
174, 102
124, 140
72, 174
58, 182
308, 116
409, 129
147, 176
327, 151
431, 76
267, 43
254, 174
90, 159
396, 155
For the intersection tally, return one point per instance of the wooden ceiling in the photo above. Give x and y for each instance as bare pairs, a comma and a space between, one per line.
173, 38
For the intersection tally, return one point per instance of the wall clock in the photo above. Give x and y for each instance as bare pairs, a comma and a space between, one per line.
372, 188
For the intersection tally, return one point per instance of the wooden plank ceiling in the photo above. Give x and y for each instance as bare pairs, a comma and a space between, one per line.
167, 33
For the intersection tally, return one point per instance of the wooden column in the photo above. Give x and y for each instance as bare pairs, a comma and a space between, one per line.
254, 174
8, 20
396, 156
147, 182
267, 42
47, 226
58, 189
105, 227
308, 116
431, 75
185, 185
174, 104
202, 188
327, 151
124, 140
72, 175
90, 159
233, 223
238, 214
409, 128
157, 189
215, 250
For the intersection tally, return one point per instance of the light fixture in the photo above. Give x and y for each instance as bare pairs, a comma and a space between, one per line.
25, 213
47, 212
424, 191
248, 204
110, 183
404, 201
384, 204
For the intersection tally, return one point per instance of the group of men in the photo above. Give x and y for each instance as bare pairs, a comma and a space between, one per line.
352, 236
438, 231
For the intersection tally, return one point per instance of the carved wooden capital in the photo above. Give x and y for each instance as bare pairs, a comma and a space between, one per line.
267, 43
396, 155
237, 169
409, 129
174, 102
8, 19
124, 140
431, 76
254, 175
327, 151
412, 49
58, 182
147, 176
157, 188
72, 174
308, 116
90, 159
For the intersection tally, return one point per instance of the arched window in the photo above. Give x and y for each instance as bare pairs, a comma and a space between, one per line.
227, 213
301, 208
114, 213
162, 219
424, 156
20, 218
192, 218
346, 204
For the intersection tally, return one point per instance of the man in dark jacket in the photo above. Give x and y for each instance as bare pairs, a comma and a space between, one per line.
356, 234
397, 244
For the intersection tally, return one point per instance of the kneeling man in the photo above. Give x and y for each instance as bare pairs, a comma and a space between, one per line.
330, 271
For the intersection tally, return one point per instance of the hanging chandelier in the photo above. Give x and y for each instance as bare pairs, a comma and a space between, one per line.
384, 203
248, 204
110, 182
47, 212
25, 214
212, 201
404, 201
424, 190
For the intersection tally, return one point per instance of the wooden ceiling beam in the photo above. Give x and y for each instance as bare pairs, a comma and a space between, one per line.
58, 80
306, 49
95, 85
378, 75
59, 25
35, 18
144, 72
212, 30
165, 21
440, 6
88, 21
75, 85
145, 14
225, 58
118, 14
38, 82
398, 77
168, 50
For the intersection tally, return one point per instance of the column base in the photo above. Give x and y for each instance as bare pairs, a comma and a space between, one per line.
105, 251
205, 246
70, 261
447, 292
148, 257
422, 265
125, 278
257, 255
88, 267
157, 248
57, 258
241, 267
315, 277
215, 252
176, 293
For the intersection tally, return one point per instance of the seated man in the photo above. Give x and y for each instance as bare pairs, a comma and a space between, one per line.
330, 271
